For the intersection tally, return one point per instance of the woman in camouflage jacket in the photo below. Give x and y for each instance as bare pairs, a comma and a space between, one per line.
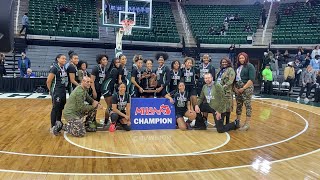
225, 77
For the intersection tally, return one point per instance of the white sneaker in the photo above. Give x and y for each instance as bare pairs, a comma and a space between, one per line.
306, 99
298, 99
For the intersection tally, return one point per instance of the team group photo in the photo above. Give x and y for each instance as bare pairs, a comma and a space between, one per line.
159, 89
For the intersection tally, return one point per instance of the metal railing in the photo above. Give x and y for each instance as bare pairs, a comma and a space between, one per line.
184, 22
266, 23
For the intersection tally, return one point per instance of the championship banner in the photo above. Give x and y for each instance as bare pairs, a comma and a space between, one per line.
152, 113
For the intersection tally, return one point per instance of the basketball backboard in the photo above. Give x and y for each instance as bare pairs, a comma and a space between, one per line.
115, 11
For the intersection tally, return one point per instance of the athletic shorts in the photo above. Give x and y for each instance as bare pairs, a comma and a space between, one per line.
180, 114
191, 90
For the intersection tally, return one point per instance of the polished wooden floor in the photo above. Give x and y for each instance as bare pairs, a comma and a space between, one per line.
283, 143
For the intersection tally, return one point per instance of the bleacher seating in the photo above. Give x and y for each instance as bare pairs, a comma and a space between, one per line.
203, 17
294, 29
163, 26
45, 18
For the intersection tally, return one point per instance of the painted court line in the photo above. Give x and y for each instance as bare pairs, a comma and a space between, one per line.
142, 155
119, 157
173, 172
153, 173
210, 153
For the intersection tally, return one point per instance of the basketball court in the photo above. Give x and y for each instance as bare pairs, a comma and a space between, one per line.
282, 143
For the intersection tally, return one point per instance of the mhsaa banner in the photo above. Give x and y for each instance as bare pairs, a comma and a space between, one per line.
152, 113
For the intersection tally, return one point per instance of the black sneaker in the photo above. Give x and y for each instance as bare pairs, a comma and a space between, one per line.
57, 128
237, 123
126, 127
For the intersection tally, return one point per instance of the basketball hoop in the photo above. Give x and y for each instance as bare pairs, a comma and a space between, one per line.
127, 25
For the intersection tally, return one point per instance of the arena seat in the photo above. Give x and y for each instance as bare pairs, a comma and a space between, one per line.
294, 28
46, 20
213, 16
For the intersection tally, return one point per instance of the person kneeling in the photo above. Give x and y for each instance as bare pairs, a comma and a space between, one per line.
120, 112
77, 110
181, 101
212, 100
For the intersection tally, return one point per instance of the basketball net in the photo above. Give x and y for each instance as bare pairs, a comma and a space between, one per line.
126, 29
127, 25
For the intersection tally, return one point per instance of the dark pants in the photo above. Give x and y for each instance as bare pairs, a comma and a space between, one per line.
291, 82
115, 118
24, 27
264, 19
232, 57
309, 86
58, 102
268, 87
297, 79
23, 71
204, 107
317, 95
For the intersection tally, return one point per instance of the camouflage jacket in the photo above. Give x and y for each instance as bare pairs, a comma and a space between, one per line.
226, 80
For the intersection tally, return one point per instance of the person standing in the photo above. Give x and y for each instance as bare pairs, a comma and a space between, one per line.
308, 81
274, 65
317, 91
72, 71
268, 78
2, 63
175, 74
315, 51
297, 69
213, 100
232, 53
98, 76
23, 64
77, 109
82, 70
188, 76
315, 63
25, 23
57, 82
123, 72
109, 86
136, 89
148, 79
263, 17
205, 67
163, 75
225, 77
243, 88
289, 74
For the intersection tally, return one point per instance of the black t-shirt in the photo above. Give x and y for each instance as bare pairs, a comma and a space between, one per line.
100, 74
189, 76
175, 79
72, 69
136, 73
145, 81
60, 80
123, 73
163, 76
113, 76
206, 69
121, 101
180, 101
